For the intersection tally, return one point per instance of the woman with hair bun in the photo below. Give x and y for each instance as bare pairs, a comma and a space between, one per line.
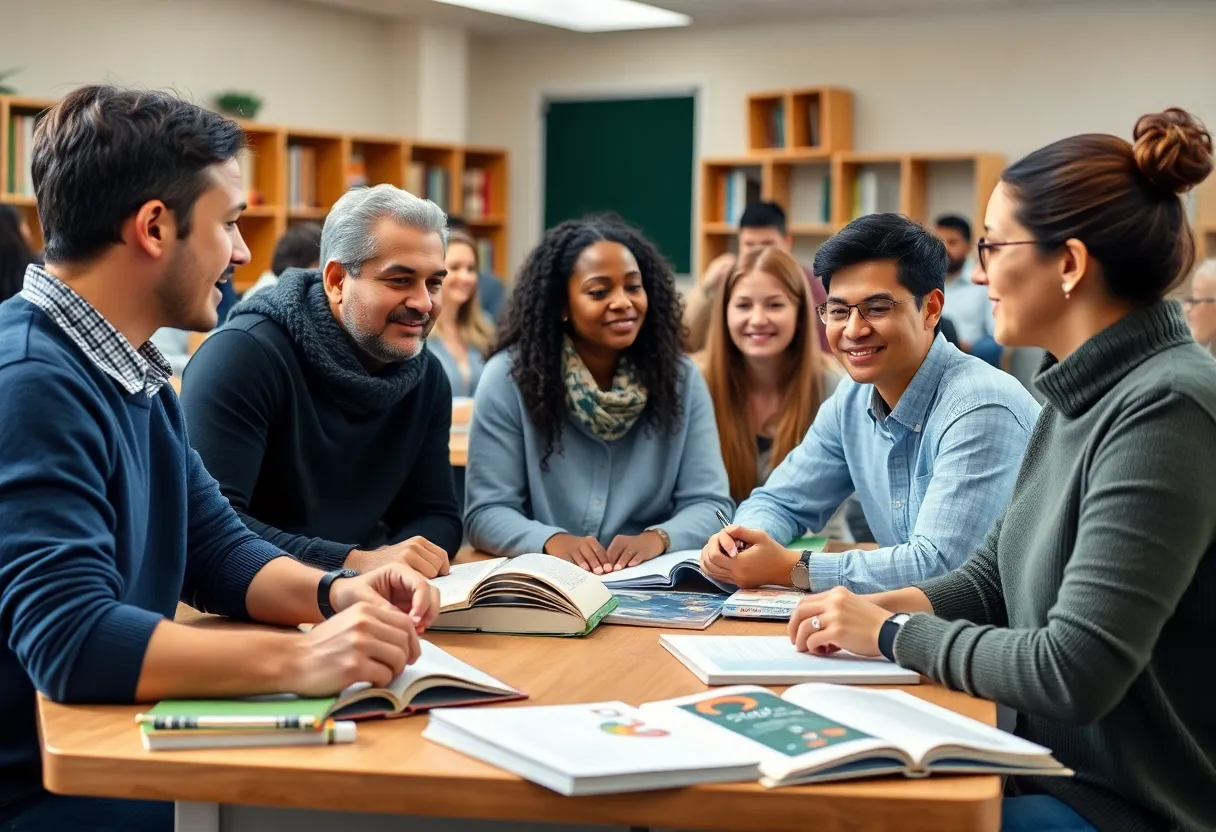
1091, 607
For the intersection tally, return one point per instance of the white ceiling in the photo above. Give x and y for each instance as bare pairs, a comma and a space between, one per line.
705, 13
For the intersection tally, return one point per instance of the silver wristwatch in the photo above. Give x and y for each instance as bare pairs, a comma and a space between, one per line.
800, 575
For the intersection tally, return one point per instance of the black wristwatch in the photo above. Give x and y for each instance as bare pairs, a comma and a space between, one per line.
323, 589
888, 632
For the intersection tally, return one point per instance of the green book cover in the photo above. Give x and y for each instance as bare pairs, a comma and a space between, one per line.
598, 615
773, 722
811, 543
284, 705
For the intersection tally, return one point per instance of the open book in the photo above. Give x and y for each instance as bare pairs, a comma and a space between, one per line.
532, 594
594, 748
817, 733
772, 660
664, 572
437, 679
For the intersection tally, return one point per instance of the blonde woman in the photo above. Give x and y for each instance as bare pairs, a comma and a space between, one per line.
766, 372
463, 334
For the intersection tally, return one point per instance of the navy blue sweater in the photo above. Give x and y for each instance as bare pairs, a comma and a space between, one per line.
107, 518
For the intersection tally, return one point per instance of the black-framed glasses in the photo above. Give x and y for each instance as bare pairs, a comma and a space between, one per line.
872, 310
985, 245
1190, 302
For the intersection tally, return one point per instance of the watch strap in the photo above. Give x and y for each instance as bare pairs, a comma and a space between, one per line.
887, 634
327, 580
800, 575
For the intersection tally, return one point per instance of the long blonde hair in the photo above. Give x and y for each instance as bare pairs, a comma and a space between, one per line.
474, 328
729, 385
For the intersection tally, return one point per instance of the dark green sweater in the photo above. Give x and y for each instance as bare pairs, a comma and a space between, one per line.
1091, 608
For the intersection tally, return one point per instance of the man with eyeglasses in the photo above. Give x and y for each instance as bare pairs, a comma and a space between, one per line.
930, 438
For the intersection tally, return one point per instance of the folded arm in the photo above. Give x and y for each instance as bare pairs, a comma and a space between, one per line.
231, 394
974, 468
496, 479
1145, 524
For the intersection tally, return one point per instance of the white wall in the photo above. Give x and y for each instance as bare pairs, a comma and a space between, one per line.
313, 66
1004, 81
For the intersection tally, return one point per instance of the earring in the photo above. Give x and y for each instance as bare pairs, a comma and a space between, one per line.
1067, 292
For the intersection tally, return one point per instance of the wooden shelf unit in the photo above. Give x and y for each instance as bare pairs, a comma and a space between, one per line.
794, 121
337, 161
19, 193
904, 182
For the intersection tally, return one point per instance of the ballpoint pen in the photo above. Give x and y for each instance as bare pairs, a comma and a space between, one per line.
739, 545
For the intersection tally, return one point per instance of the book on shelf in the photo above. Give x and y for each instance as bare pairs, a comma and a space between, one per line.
437, 185
301, 176
662, 608
532, 594
592, 748
665, 572
776, 124
816, 733
742, 188
415, 179
476, 184
772, 660
485, 255
814, 135
356, 170
248, 162
20, 153
437, 679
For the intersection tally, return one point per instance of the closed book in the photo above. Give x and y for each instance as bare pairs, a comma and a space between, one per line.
666, 572
772, 660
665, 608
591, 748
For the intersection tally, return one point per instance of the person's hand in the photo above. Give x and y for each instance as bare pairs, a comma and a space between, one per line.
717, 270
584, 552
396, 587
837, 620
417, 553
760, 559
627, 550
366, 642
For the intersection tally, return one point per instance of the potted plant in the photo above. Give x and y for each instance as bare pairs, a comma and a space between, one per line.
7, 89
238, 104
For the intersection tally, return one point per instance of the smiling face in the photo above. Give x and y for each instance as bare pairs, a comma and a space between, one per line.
887, 348
390, 307
761, 316
1023, 283
188, 290
461, 281
606, 301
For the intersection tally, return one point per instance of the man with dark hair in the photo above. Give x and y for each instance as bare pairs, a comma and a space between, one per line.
490, 289
967, 304
929, 438
107, 517
298, 248
762, 224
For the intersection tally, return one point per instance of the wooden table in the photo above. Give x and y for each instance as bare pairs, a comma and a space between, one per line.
95, 750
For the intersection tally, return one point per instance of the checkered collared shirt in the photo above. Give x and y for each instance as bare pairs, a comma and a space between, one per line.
143, 369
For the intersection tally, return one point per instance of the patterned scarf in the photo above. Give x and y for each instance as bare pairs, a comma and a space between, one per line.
607, 414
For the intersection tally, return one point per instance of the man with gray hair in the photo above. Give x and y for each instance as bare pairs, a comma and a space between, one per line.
317, 408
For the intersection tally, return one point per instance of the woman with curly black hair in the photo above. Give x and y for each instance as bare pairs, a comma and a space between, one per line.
593, 436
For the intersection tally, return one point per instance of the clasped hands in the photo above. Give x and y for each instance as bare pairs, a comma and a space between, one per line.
624, 551
823, 622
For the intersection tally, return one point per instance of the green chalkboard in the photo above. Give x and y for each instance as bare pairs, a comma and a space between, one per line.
631, 156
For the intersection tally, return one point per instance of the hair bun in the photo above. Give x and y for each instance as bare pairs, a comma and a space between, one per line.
1173, 150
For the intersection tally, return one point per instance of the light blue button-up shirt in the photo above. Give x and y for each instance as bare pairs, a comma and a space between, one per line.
592, 488
932, 475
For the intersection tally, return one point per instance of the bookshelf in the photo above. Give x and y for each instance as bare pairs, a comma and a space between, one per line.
798, 121
800, 155
1203, 218
295, 175
18, 115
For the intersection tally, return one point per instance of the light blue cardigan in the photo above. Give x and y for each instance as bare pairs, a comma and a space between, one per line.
645, 479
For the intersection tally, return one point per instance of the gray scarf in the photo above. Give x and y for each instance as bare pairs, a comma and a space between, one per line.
299, 305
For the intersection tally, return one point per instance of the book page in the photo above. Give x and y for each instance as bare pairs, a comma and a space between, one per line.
456, 586
660, 567
584, 589
907, 721
435, 661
